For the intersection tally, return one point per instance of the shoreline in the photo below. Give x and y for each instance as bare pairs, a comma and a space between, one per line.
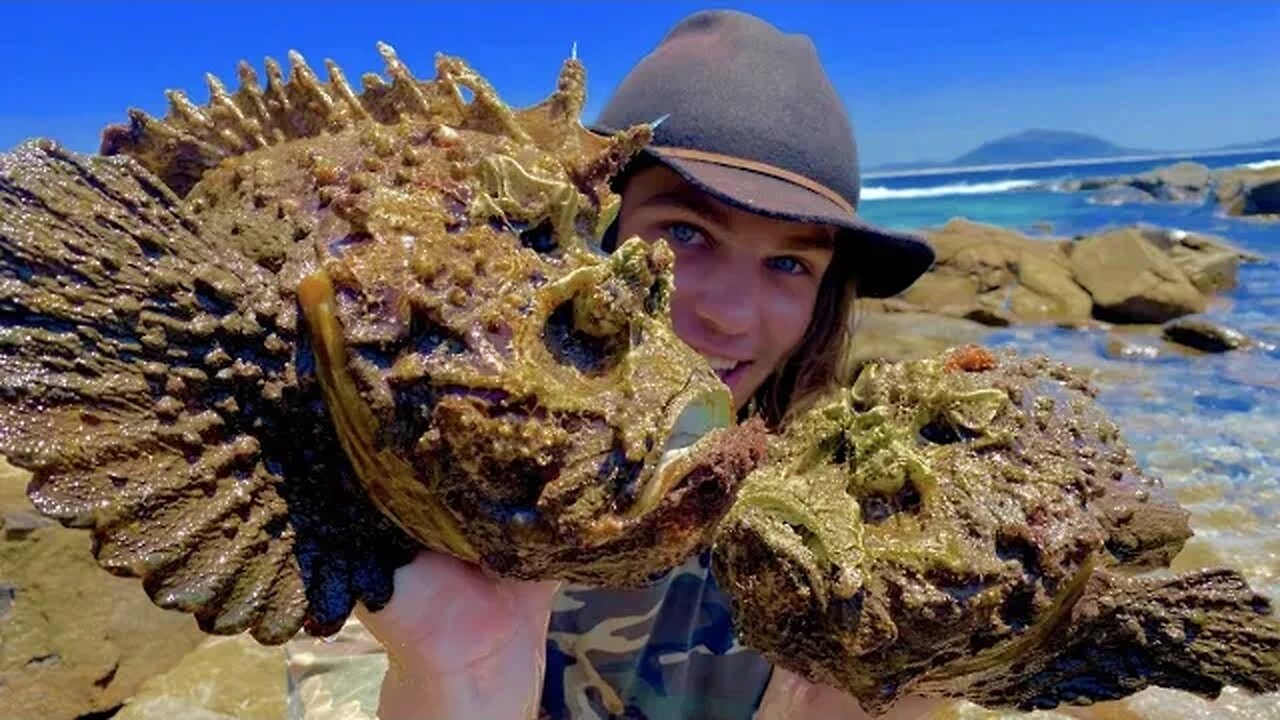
1076, 162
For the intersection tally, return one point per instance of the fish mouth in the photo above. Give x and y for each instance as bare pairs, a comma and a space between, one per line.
696, 427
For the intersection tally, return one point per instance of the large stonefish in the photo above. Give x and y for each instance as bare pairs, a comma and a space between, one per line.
267, 348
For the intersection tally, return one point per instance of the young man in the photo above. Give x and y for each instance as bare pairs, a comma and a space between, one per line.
753, 181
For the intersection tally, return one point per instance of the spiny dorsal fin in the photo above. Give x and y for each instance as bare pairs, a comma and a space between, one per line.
192, 139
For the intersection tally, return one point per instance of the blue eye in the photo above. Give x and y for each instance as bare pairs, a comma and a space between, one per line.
787, 264
684, 234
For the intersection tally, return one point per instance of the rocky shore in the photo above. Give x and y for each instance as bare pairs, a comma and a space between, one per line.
1136, 276
74, 640
77, 642
1238, 191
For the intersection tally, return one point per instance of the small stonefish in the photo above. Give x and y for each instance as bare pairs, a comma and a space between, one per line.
972, 525
269, 347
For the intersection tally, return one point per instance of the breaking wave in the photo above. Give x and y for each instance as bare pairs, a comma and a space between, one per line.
1263, 164
982, 188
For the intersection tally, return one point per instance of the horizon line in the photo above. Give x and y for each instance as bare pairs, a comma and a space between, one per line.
1064, 162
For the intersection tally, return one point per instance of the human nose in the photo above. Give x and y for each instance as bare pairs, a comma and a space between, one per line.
725, 300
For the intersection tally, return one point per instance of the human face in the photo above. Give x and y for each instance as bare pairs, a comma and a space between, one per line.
745, 284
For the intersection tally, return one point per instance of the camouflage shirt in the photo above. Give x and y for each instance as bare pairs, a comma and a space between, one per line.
664, 651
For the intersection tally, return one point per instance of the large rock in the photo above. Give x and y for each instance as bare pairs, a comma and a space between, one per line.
999, 277
1210, 262
907, 335
1131, 280
1114, 195
1262, 198
1183, 182
1202, 334
74, 640
225, 678
1249, 191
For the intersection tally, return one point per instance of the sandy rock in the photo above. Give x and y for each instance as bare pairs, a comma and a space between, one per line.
909, 336
1202, 334
74, 640
1180, 182
1183, 182
1114, 195
1131, 280
1210, 262
1246, 191
998, 277
225, 678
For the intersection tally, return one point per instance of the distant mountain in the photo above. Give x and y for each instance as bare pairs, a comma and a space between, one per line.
1042, 146
1024, 147
1031, 146
1272, 143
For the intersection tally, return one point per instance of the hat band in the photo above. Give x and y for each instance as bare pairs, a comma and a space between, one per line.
759, 167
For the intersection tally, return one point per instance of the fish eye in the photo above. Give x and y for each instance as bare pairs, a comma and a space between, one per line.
540, 238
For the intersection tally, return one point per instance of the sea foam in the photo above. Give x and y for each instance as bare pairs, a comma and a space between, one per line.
983, 188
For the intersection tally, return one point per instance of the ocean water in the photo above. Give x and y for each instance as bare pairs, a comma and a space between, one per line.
1209, 425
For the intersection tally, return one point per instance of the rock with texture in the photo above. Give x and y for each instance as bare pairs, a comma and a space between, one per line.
1131, 280
73, 639
999, 277
1211, 263
225, 678
1183, 182
1203, 334
1138, 274
1116, 195
1250, 192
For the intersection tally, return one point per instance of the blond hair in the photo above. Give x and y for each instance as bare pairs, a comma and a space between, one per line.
817, 361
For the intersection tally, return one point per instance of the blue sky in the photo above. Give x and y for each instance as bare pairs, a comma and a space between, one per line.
923, 80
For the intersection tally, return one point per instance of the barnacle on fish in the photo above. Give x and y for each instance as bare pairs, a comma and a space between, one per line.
269, 347
971, 525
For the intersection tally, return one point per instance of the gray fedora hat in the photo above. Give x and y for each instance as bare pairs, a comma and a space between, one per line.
752, 119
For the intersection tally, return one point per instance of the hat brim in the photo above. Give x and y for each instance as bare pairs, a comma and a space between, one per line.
887, 261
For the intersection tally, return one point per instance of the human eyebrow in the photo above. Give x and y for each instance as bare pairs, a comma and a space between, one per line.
693, 202
810, 241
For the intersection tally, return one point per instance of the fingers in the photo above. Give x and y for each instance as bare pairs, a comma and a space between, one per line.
446, 615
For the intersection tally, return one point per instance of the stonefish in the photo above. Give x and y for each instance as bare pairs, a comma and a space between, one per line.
269, 347
972, 525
